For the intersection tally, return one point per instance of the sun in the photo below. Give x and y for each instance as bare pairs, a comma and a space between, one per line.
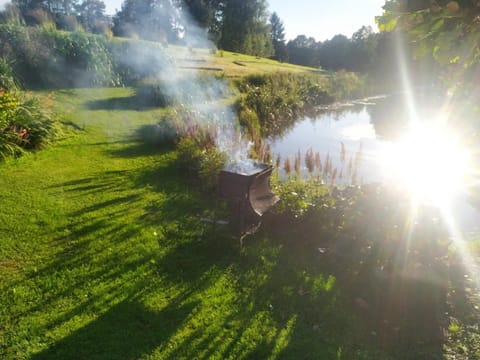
430, 162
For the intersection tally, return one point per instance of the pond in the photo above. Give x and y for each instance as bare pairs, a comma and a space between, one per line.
347, 145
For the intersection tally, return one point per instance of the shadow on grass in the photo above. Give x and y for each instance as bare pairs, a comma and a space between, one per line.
127, 330
145, 98
160, 282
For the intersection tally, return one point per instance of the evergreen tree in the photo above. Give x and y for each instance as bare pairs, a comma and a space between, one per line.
277, 32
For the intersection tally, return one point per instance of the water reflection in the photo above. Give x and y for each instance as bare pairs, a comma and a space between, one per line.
367, 128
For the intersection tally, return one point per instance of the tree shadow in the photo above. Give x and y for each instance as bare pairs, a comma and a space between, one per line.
145, 97
127, 330
148, 140
392, 296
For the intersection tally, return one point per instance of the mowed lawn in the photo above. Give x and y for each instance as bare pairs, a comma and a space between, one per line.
103, 256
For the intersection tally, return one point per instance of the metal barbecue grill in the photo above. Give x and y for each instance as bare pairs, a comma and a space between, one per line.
249, 195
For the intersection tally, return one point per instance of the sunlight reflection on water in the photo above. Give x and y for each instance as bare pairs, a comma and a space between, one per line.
355, 128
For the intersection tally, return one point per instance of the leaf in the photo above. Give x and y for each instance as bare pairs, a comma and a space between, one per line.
437, 25
389, 25
454, 60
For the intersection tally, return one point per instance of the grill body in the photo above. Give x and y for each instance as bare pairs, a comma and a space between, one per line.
250, 196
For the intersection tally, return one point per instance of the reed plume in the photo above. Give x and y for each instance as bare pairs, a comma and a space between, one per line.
287, 166
310, 160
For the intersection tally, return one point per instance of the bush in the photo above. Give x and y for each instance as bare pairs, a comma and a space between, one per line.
278, 99
47, 57
200, 159
24, 124
136, 60
7, 78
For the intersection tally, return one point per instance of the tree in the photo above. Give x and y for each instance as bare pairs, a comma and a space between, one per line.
244, 27
446, 31
200, 11
333, 53
91, 14
148, 19
303, 51
362, 49
200, 17
277, 33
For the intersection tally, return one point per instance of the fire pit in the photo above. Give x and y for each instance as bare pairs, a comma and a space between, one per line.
247, 188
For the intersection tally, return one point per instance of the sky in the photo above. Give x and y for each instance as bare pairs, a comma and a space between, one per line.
321, 19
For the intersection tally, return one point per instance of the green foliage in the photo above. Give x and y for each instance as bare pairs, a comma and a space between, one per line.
346, 85
199, 158
277, 33
25, 123
137, 60
300, 197
47, 57
444, 31
356, 54
275, 101
147, 19
244, 28
7, 77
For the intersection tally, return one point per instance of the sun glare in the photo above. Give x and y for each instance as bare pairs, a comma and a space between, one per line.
430, 163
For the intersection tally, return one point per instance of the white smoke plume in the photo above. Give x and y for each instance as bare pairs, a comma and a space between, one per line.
200, 93
3, 4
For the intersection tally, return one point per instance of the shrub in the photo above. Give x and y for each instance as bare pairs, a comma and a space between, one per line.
47, 57
200, 159
7, 78
279, 99
137, 60
24, 124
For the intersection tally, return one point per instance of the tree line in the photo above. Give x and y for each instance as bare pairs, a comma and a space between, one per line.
235, 25
243, 26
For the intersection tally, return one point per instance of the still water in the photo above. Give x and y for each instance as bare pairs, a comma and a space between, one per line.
360, 134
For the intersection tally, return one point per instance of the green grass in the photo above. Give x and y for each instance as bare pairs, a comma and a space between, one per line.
232, 65
103, 256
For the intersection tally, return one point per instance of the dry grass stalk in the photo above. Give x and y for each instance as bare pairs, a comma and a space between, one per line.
287, 166
318, 161
267, 154
297, 163
310, 160
278, 161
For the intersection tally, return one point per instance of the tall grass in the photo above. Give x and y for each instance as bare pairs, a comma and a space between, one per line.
270, 104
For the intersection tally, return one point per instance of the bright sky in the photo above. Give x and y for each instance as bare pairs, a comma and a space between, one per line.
321, 19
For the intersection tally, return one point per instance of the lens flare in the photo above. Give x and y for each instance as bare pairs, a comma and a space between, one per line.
430, 163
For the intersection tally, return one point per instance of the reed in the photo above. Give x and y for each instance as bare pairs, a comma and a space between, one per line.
278, 161
318, 162
310, 160
297, 163
287, 166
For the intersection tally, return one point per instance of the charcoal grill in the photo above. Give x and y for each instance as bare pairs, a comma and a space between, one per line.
249, 195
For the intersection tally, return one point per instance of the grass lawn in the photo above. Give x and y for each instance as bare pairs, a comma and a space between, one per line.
232, 65
103, 256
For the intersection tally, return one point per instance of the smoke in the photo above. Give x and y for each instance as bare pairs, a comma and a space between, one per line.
3, 4
181, 81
